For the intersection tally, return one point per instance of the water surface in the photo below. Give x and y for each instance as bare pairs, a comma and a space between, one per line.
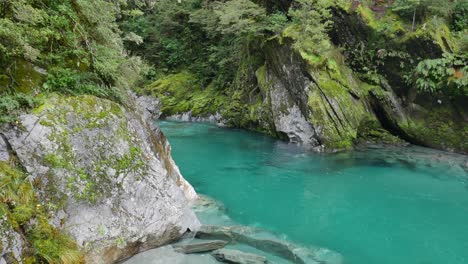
374, 206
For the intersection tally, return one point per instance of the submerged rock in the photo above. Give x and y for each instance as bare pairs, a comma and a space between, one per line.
200, 246
167, 255
239, 257
267, 242
106, 174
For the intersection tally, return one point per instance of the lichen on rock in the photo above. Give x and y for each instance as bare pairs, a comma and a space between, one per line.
107, 175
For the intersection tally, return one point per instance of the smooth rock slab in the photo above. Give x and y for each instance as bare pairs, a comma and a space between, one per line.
167, 255
267, 242
199, 247
236, 256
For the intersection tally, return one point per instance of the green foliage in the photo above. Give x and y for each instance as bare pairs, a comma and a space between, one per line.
418, 10
237, 29
12, 105
459, 16
181, 93
208, 38
75, 44
52, 246
447, 75
309, 26
24, 213
67, 81
239, 17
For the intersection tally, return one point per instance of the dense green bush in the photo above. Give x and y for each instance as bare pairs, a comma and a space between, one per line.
12, 105
67, 81
447, 75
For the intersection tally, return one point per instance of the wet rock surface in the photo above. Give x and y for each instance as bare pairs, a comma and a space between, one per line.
267, 242
200, 246
236, 256
167, 255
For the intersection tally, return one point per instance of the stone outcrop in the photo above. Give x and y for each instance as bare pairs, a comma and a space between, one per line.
108, 174
317, 108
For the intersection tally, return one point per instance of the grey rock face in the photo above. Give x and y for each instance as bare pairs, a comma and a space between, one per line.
4, 152
288, 117
11, 244
108, 173
189, 117
149, 109
239, 257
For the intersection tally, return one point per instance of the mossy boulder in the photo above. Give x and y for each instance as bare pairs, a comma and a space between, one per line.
181, 92
330, 98
441, 126
106, 173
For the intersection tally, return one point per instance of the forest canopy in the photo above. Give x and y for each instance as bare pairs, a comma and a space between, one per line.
102, 47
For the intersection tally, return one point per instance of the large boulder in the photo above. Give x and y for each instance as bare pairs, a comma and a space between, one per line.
106, 172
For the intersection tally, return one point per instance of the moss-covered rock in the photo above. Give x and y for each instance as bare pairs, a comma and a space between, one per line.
26, 234
98, 166
289, 99
387, 49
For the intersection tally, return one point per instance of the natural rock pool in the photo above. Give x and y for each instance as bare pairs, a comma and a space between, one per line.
374, 206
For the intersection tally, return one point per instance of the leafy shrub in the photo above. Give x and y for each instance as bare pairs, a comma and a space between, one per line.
459, 16
12, 105
67, 81
447, 75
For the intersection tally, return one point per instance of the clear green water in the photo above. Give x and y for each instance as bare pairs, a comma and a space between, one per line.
378, 206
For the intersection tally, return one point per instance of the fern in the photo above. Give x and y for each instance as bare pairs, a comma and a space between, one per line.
446, 75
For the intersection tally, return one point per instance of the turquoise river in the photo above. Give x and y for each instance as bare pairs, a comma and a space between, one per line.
405, 205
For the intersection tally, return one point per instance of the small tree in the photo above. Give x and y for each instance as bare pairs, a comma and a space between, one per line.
309, 26
411, 8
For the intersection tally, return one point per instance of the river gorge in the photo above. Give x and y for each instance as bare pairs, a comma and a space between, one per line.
373, 205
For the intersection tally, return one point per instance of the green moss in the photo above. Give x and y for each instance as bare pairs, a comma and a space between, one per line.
389, 24
334, 110
27, 79
67, 116
24, 213
439, 128
371, 131
181, 92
